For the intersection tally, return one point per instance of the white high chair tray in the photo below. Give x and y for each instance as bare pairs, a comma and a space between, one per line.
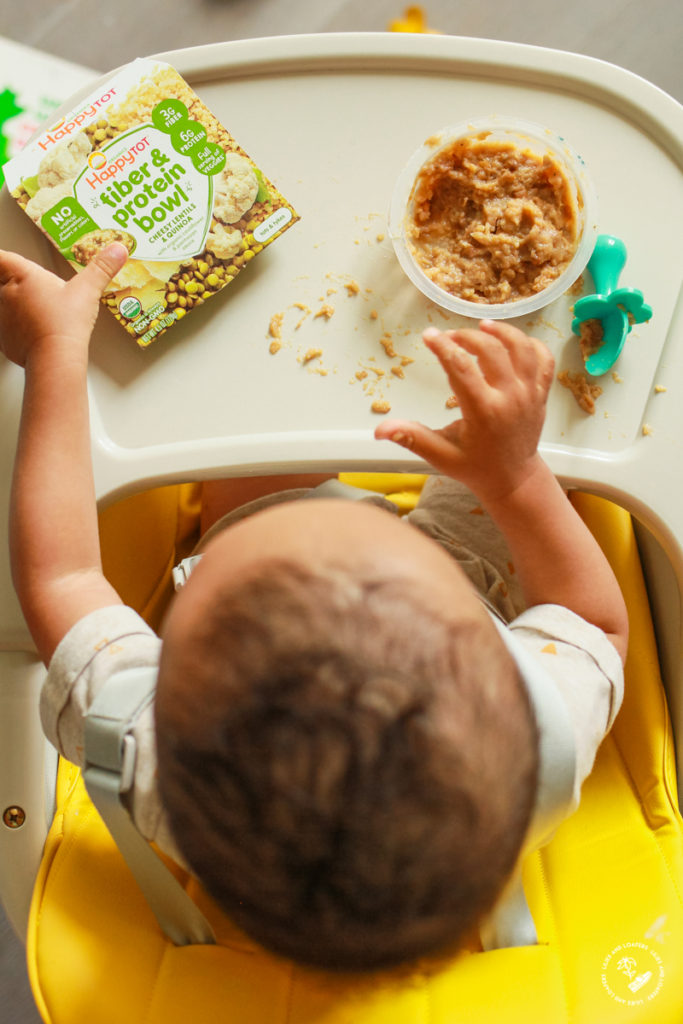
332, 119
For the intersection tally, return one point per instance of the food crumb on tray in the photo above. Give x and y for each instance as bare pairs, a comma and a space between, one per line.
452, 402
306, 313
583, 391
312, 353
368, 373
647, 430
275, 325
387, 344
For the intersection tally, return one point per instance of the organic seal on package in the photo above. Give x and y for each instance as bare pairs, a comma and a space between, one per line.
142, 161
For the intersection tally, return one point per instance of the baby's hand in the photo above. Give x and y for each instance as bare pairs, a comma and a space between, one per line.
501, 378
38, 308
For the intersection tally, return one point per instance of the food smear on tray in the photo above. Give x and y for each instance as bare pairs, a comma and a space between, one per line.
144, 162
492, 222
584, 391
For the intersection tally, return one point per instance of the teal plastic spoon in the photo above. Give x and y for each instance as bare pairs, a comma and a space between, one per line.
617, 308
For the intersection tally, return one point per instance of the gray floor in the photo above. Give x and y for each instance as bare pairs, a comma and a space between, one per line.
646, 39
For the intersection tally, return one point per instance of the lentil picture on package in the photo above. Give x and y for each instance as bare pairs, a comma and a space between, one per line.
144, 162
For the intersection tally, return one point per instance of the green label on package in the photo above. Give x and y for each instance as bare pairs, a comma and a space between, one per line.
66, 222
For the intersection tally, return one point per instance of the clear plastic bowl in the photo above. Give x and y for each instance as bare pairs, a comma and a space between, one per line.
527, 136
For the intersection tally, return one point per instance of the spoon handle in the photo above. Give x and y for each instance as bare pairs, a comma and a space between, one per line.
607, 263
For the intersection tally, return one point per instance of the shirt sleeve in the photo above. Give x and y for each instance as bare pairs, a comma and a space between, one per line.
586, 669
107, 641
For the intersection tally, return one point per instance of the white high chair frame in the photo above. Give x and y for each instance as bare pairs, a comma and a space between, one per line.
332, 119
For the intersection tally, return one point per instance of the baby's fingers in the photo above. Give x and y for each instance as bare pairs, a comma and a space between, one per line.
92, 281
12, 266
461, 368
431, 445
530, 358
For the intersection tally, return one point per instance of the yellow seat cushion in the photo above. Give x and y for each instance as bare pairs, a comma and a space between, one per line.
142, 537
605, 893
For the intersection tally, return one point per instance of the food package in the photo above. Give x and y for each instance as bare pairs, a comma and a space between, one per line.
142, 161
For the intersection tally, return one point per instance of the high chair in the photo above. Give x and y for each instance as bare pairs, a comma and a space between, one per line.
606, 892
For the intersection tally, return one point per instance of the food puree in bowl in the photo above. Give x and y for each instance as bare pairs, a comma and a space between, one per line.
495, 217
491, 222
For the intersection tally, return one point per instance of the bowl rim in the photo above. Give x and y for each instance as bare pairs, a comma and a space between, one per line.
522, 129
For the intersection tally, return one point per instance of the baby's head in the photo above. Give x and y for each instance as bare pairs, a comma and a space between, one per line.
346, 752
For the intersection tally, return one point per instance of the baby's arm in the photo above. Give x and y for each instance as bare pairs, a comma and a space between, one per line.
501, 378
45, 326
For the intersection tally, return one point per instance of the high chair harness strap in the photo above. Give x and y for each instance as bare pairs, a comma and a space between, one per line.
110, 753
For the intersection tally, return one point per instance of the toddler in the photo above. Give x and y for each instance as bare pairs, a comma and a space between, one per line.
342, 747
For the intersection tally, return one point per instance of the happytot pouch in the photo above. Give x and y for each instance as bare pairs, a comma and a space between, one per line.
142, 161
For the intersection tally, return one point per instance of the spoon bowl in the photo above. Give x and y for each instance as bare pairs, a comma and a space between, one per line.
615, 327
616, 308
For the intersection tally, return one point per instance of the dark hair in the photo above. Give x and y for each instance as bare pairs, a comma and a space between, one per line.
349, 775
